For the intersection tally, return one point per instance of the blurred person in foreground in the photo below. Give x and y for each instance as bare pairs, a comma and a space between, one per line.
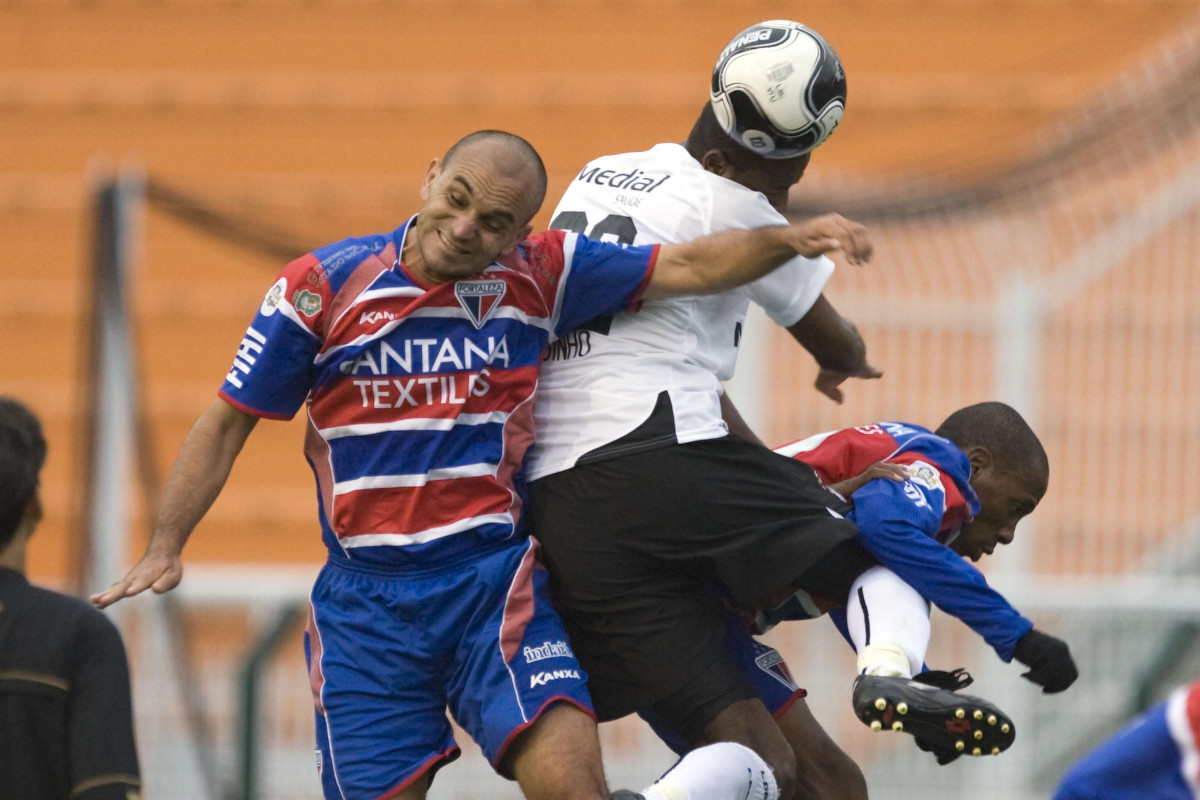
66, 719
1155, 756
417, 354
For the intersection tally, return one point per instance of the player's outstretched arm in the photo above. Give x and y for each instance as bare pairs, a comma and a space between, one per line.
729, 259
200, 470
837, 346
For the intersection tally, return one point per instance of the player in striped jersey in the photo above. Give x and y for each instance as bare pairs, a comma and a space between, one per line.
924, 502
1155, 756
416, 353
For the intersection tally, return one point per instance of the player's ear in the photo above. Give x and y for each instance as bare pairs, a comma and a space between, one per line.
431, 175
519, 235
33, 511
980, 458
715, 162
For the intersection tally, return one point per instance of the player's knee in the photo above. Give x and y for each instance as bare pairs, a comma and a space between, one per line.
829, 774
849, 783
782, 762
717, 772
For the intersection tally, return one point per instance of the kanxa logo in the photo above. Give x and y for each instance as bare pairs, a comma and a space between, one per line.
542, 678
371, 317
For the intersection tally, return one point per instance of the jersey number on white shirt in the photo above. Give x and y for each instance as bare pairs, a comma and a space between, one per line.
618, 226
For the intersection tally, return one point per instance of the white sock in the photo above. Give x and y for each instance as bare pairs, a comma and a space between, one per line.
721, 771
894, 618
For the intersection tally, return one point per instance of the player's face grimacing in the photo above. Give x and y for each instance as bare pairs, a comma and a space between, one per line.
1005, 497
476, 209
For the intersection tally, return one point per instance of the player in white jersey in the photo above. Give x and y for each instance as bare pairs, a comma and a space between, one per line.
636, 482
603, 380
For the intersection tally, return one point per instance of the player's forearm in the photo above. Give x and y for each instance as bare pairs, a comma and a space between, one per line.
833, 340
199, 473
945, 579
718, 262
724, 260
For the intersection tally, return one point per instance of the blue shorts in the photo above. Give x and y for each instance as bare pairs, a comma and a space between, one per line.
390, 650
763, 666
1154, 756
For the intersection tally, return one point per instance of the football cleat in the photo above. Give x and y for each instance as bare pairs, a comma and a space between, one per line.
942, 722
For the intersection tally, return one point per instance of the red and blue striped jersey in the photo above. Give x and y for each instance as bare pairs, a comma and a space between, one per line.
420, 398
906, 525
839, 455
1157, 755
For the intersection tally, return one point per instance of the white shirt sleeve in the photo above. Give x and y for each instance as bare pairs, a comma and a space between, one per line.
787, 293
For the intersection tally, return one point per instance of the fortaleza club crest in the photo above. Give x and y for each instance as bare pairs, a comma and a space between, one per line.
479, 298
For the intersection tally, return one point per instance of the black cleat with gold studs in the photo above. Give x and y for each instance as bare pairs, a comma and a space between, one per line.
943, 722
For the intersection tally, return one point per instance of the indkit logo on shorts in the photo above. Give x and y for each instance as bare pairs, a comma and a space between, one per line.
557, 649
479, 298
542, 678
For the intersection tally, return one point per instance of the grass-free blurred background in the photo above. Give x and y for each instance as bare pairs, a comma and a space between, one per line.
1030, 170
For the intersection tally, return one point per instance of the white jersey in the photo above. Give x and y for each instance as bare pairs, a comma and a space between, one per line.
602, 381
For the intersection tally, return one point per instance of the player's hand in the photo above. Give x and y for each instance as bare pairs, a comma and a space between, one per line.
829, 234
158, 571
829, 380
880, 469
1049, 660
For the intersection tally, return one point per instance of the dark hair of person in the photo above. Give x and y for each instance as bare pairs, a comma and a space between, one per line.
707, 134
1003, 432
22, 454
520, 145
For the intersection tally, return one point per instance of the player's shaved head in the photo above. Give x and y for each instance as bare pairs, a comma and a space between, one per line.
998, 428
510, 155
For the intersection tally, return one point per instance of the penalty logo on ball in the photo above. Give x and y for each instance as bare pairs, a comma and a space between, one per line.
778, 89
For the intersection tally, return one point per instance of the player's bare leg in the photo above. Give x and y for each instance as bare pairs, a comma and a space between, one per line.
748, 722
832, 773
558, 757
414, 792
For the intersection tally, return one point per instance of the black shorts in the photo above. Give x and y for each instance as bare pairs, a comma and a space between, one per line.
636, 545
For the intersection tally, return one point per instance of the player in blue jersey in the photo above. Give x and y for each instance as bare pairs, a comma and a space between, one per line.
416, 354
1155, 756
924, 502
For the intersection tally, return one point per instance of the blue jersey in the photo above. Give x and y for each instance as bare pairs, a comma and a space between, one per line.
420, 398
906, 525
1156, 756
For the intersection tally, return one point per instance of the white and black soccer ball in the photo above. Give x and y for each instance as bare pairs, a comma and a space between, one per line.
778, 89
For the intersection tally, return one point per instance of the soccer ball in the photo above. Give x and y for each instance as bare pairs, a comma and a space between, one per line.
778, 89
